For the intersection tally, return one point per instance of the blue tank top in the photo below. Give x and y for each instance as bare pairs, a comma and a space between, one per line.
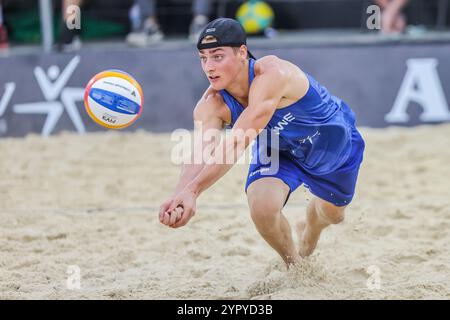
315, 131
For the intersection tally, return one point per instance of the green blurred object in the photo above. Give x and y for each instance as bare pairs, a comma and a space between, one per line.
25, 27
94, 28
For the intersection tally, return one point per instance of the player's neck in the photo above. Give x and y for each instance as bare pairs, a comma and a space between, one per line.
239, 87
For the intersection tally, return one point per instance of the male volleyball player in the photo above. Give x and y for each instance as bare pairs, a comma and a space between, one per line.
318, 143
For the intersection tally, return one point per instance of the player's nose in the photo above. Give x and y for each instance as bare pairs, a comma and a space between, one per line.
209, 67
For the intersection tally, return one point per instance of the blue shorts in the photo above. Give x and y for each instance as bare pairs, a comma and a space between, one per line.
337, 187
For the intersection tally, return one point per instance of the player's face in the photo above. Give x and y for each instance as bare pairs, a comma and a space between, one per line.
221, 65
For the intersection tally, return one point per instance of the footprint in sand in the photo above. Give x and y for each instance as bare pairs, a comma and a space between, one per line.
399, 215
56, 236
411, 258
198, 273
382, 231
249, 240
198, 255
31, 238
228, 235
238, 251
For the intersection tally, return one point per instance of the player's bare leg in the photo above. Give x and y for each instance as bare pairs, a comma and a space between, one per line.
266, 198
319, 215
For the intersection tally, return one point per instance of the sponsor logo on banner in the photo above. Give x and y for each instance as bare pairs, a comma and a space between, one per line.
421, 85
39, 99
10, 87
53, 86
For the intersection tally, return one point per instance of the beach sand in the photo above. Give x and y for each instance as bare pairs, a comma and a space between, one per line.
91, 201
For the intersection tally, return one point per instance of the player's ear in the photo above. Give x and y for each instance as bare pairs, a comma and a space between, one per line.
243, 52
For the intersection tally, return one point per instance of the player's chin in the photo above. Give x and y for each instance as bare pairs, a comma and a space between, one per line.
217, 85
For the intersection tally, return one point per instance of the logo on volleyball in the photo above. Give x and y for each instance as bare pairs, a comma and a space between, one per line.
113, 99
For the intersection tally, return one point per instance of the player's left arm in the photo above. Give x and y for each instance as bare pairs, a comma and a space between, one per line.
265, 93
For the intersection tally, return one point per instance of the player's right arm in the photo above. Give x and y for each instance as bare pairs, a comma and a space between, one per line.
210, 116
208, 123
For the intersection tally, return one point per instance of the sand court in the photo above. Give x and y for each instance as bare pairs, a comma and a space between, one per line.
92, 200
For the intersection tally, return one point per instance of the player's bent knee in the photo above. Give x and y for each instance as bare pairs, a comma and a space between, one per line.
263, 208
336, 217
329, 212
266, 199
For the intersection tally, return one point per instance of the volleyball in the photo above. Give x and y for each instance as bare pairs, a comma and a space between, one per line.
255, 16
113, 99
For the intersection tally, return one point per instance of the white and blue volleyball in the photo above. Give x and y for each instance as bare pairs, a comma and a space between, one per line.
113, 99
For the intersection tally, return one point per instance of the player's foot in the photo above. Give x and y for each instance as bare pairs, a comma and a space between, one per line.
308, 232
150, 34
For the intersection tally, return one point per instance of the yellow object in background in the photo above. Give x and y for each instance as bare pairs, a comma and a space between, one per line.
255, 16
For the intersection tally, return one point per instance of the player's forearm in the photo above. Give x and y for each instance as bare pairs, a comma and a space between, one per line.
229, 150
207, 177
225, 156
188, 173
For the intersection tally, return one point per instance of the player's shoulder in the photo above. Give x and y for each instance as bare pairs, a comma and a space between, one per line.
210, 104
270, 61
274, 64
285, 74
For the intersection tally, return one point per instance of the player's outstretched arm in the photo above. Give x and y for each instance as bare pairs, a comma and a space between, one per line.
208, 124
266, 91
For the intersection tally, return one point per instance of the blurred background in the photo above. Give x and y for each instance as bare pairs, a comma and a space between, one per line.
387, 58
113, 19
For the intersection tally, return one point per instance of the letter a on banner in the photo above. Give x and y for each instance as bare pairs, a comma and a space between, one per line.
421, 85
